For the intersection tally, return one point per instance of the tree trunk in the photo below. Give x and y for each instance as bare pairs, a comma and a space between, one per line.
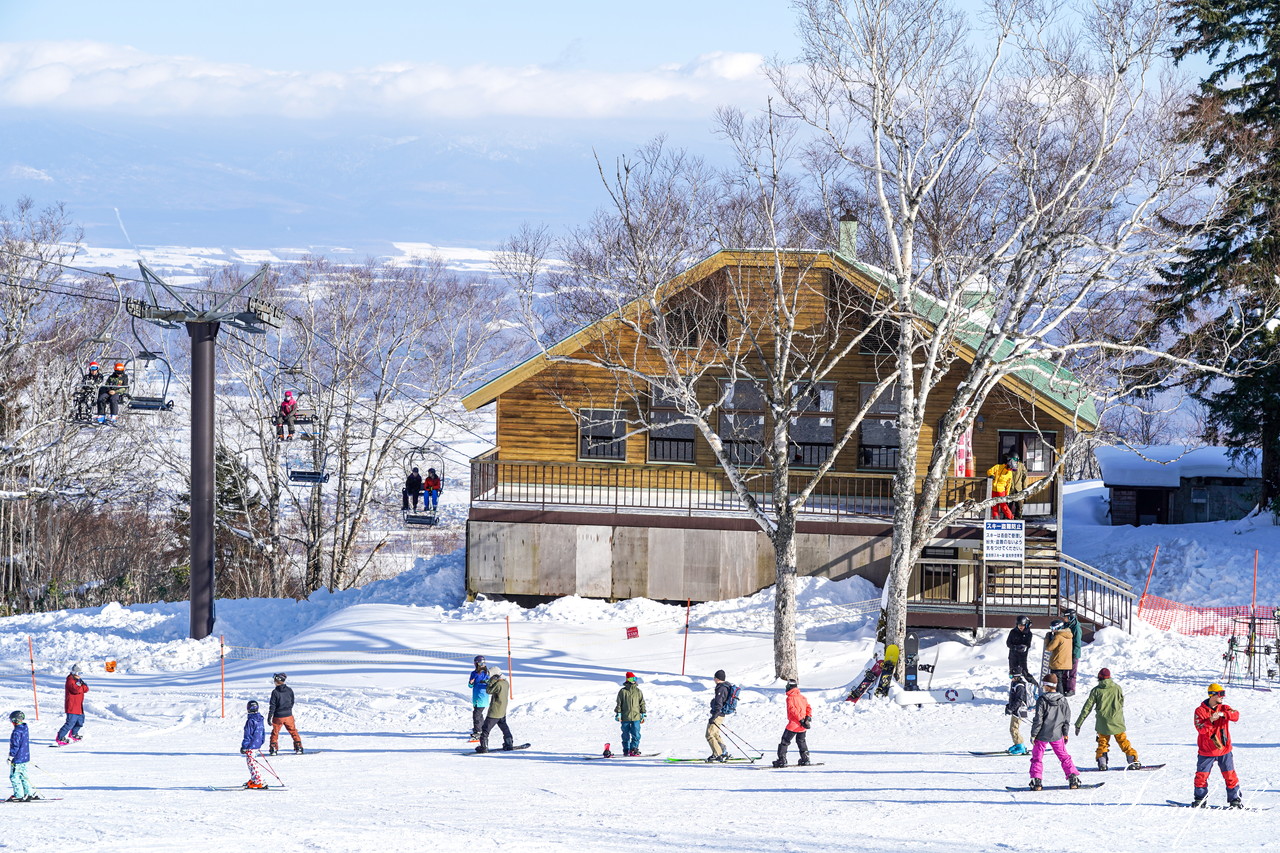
784, 599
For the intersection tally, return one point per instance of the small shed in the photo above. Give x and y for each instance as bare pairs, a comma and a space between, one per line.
1172, 484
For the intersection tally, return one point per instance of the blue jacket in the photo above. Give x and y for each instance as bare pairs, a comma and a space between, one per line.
254, 733
20, 744
479, 682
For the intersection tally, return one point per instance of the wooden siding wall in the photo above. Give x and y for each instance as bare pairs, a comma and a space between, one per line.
603, 561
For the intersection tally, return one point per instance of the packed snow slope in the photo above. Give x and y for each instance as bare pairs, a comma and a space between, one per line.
382, 701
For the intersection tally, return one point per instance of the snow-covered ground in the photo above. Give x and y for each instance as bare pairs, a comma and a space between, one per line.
388, 769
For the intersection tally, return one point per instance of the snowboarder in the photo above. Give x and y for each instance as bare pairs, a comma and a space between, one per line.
19, 756
499, 694
1001, 478
1213, 719
630, 711
1109, 699
718, 699
111, 392
1059, 648
1049, 728
1077, 644
73, 704
479, 683
799, 718
1019, 643
280, 713
254, 734
1016, 709
412, 490
285, 414
431, 488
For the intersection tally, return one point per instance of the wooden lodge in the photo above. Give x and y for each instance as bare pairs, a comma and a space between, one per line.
571, 503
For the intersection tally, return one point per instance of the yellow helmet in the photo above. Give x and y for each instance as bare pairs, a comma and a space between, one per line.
1216, 688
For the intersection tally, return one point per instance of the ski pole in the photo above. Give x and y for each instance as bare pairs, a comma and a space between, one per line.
55, 776
270, 769
733, 741
744, 740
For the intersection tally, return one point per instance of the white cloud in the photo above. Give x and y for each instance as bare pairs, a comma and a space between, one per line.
109, 78
28, 173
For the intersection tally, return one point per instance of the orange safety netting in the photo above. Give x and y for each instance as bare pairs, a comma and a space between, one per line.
1207, 621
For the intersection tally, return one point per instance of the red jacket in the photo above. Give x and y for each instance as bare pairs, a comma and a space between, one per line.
797, 709
431, 483
1215, 735
75, 694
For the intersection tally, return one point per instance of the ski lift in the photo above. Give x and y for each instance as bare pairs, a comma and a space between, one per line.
424, 459
299, 384
104, 350
149, 377
305, 462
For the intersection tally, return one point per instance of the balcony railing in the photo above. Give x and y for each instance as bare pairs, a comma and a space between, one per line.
688, 490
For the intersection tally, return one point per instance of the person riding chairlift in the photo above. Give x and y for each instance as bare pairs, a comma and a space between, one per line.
288, 406
111, 391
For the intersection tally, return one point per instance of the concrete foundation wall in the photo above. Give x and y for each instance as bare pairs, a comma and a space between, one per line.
674, 564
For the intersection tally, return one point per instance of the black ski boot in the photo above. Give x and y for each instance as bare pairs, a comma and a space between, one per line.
1237, 803
1035, 785
297, 749
271, 751
1200, 803
1102, 762
482, 749
1134, 763
781, 762
803, 762
1073, 781
711, 759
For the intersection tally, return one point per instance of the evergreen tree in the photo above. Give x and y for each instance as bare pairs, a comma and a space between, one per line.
1235, 116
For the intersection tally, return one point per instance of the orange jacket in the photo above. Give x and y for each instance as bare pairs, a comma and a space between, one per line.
1215, 735
75, 690
797, 709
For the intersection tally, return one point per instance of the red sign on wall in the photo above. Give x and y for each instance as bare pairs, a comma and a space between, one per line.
632, 633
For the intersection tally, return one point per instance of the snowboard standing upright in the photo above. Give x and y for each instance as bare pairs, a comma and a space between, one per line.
887, 671
1044, 662
910, 678
868, 678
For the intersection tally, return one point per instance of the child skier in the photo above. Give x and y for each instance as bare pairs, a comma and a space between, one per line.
280, 713
499, 694
1049, 728
73, 703
19, 756
799, 718
1213, 719
1109, 699
630, 711
479, 682
254, 734
1016, 709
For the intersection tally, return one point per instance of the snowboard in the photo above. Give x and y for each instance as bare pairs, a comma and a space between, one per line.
747, 760
1044, 661
1006, 752
1216, 808
795, 766
887, 671
868, 678
1024, 789
910, 679
934, 697
499, 750
1122, 767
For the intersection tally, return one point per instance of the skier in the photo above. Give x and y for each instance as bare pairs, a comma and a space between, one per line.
86, 395
19, 756
1059, 648
280, 713
630, 711
499, 694
1049, 728
1109, 698
799, 718
112, 390
718, 699
254, 734
432, 487
1019, 643
73, 704
285, 416
412, 489
1213, 719
1077, 645
1001, 478
1016, 709
479, 682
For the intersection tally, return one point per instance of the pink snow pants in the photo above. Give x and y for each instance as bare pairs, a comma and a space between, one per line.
1059, 749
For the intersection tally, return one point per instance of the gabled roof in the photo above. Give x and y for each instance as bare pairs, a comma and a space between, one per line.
1040, 382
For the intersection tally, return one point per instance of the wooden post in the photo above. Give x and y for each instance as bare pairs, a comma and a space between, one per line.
35, 700
1150, 572
688, 603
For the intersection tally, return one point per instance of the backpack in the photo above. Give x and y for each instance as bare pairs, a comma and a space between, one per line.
731, 704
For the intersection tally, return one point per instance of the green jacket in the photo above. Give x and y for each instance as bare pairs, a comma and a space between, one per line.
1109, 699
1077, 639
630, 703
499, 693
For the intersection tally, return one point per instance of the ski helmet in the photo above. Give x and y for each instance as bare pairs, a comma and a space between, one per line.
479, 658
251, 706
495, 672
1068, 615
1057, 625
792, 684
279, 678
119, 365
1024, 621
17, 717
93, 365
76, 669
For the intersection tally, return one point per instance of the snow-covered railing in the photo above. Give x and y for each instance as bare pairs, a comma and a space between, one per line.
1094, 595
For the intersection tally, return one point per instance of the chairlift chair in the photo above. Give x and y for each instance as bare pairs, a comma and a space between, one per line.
149, 377
304, 390
305, 464
423, 458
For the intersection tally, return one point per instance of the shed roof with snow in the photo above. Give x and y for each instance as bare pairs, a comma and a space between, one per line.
1167, 465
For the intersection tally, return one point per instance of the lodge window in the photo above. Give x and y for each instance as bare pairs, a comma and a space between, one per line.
601, 434
742, 421
878, 442
696, 316
813, 426
669, 440
1033, 448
